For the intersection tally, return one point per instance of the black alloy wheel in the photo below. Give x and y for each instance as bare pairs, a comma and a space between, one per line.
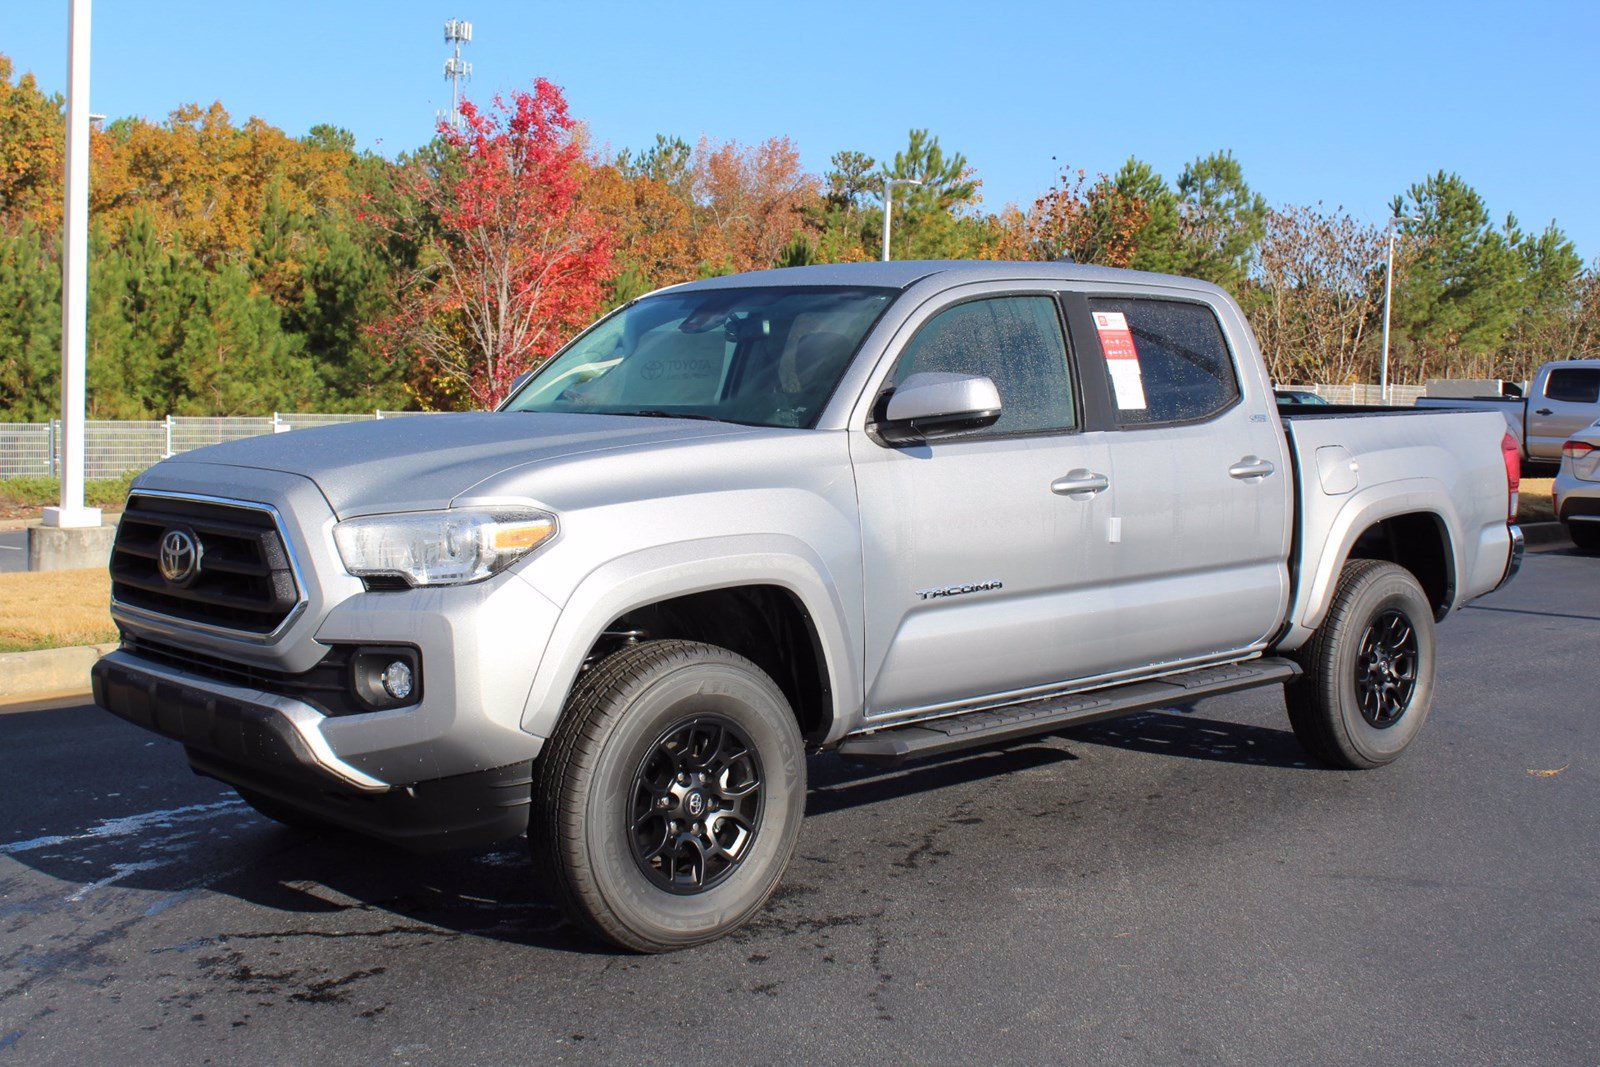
696, 805
1386, 668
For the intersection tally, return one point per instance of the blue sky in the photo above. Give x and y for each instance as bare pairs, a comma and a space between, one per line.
1347, 103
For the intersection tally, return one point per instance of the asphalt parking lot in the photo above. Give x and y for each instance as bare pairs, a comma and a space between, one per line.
1169, 888
13, 550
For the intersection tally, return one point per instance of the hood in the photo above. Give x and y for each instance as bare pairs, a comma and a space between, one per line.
423, 462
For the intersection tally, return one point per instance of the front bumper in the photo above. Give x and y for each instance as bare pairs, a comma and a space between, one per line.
271, 744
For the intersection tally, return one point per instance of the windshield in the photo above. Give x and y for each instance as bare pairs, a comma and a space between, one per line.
761, 356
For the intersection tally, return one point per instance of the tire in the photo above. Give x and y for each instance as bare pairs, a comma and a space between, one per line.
280, 812
1363, 698
644, 714
1586, 535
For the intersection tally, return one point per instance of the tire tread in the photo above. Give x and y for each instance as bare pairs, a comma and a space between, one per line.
555, 827
1308, 699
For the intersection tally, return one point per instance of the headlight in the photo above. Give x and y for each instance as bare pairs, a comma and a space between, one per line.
442, 547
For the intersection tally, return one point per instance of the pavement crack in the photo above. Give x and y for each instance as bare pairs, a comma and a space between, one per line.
334, 935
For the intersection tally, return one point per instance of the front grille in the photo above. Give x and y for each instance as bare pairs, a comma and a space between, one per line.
325, 686
245, 580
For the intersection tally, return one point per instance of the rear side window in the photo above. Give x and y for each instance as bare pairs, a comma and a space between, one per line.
1574, 385
1014, 341
1167, 359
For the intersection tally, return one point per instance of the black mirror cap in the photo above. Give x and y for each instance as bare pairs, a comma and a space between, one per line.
918, 431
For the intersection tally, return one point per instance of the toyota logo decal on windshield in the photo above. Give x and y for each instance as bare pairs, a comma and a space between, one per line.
179, 558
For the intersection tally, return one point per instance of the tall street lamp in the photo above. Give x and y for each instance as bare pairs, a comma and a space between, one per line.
1388, 295
888, 200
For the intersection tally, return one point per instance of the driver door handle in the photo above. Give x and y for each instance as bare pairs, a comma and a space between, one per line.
1251, 467
1544, 411
1080, 484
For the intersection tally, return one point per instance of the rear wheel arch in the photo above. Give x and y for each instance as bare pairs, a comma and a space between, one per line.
1420, 542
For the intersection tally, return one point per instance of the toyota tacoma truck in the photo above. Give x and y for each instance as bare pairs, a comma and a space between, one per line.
894, 510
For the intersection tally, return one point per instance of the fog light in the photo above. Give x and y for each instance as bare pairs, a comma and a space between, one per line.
397, 679
386, 677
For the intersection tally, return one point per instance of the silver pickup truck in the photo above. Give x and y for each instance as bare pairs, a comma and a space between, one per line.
893, 510
1562, 399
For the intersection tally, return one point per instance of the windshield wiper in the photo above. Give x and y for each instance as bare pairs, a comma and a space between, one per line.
657, 413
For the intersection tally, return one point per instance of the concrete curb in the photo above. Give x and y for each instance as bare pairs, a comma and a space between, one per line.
50, 672
107, 518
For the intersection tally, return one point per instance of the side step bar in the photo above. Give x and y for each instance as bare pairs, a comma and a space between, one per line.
897, 744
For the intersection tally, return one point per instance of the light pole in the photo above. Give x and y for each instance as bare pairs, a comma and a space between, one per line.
74, 278
1388, 294
888, 201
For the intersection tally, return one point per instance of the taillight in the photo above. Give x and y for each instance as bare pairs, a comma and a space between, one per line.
1576, 450
1513, 454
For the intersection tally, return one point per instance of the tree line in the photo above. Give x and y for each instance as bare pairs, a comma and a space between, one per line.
235, 269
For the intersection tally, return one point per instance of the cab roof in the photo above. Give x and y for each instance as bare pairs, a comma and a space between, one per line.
902, 274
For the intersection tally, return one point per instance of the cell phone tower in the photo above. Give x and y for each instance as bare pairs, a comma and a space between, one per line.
457, 32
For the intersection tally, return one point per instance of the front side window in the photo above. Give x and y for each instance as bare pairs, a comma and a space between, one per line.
767, 356
1574, 385
1014, 341
1167, 359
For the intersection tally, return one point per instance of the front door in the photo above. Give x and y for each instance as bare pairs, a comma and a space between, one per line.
982, 579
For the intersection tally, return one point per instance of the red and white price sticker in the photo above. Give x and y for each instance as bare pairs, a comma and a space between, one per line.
1122, 359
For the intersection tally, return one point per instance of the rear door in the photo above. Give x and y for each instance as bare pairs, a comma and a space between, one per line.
1203, 490
985, 574
1566, 401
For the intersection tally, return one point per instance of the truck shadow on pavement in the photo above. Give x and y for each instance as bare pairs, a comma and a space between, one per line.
200, 839
1182, 733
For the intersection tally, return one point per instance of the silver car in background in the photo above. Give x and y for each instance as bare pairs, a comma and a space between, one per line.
1576, 492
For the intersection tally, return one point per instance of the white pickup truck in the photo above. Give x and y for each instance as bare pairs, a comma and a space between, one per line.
893, 510
1562, 399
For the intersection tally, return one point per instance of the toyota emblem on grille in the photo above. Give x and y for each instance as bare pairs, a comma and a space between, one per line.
179, 559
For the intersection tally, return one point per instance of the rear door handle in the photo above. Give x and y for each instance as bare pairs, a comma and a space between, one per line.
1080, 484
1251, 467
1544, 411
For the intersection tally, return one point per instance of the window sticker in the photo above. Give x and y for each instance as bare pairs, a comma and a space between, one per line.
1122, 359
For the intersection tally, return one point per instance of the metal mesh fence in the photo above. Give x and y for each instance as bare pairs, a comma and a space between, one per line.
190, 431
112, 449
1403, 396
26, 450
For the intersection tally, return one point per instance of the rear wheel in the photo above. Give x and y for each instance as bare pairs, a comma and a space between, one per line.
1586, 535
1368, 682
669, 800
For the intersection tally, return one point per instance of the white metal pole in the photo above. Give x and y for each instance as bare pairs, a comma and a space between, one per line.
75, 279
1388, 295
888, 199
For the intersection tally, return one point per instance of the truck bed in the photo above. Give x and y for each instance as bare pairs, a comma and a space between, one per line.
1436, 461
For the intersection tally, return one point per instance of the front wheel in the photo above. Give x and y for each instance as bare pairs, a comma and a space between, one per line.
669, 800
1368, 682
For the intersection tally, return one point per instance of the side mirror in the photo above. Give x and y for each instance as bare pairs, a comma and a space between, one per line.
930, 405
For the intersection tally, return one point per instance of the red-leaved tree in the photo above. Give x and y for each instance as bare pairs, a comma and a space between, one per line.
508, 264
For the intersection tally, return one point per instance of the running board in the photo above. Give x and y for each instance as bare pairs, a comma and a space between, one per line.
897, 744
